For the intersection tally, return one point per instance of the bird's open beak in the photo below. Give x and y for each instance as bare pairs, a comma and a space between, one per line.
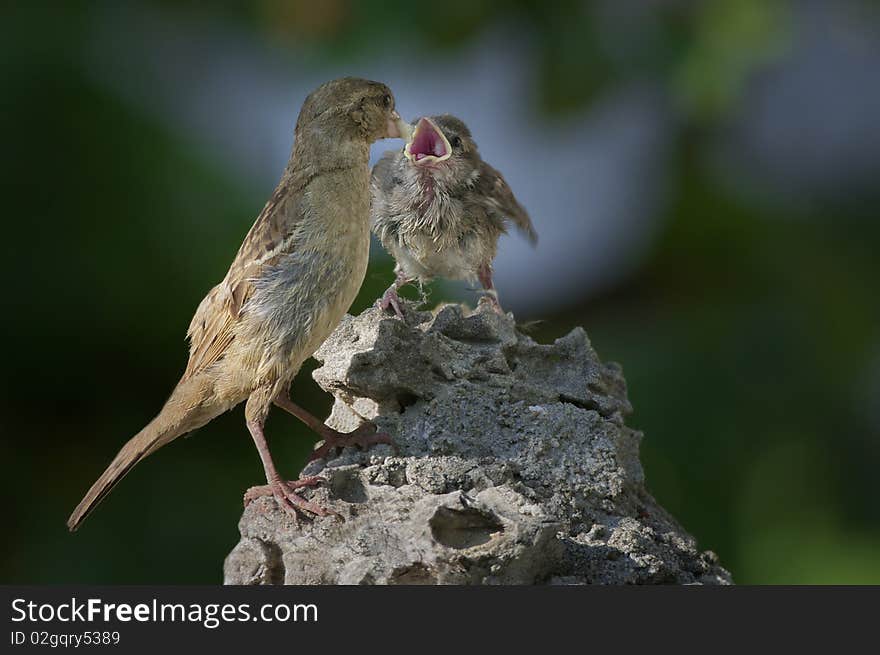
397, 127
427, 145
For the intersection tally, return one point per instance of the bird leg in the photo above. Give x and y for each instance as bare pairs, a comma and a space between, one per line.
364, 436
284, 491
484, 273
390, 297
423, 293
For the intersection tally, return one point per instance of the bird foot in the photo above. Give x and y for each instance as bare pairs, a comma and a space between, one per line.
364, 436
284, 492
491, 296
392, 300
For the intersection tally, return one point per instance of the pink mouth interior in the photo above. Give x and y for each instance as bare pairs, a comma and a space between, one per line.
427, 142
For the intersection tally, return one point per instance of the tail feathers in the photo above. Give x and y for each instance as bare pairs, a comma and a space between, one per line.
156, 434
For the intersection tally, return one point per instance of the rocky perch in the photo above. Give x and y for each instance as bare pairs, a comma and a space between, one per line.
513, 465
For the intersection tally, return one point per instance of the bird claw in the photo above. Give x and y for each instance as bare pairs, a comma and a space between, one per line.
364, 436
284, 492
390, 299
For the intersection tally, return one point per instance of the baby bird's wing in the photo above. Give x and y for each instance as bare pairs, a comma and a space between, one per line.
212, 328
497, 194
384, 183
385, 171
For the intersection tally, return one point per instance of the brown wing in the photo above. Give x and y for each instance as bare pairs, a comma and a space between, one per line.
212, 328
500, 198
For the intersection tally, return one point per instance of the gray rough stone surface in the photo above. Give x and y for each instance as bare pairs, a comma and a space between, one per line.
513, 465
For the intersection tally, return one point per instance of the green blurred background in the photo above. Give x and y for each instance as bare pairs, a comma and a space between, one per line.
746, 321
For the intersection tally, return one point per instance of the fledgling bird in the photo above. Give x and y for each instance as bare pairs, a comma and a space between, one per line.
294, 277
439, 209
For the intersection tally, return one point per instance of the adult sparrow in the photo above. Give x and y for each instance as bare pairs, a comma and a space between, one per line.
294, 277
439, 209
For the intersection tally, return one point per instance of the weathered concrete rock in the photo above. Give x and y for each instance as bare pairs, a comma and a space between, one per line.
513, 465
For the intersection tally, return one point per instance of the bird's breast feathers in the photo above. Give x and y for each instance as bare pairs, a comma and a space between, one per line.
301, 297
439, 234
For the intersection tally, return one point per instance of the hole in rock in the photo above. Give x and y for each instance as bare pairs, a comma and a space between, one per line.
463, 528
415, 574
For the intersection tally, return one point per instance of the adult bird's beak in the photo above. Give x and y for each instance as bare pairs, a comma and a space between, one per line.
427, 144
397, 127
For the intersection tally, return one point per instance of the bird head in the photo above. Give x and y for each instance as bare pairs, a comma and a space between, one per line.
352, 108
442, 145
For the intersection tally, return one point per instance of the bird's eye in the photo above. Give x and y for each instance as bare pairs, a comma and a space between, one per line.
455, 142
386, 101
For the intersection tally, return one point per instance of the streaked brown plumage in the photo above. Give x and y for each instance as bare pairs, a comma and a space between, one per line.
439, 209
296, 273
